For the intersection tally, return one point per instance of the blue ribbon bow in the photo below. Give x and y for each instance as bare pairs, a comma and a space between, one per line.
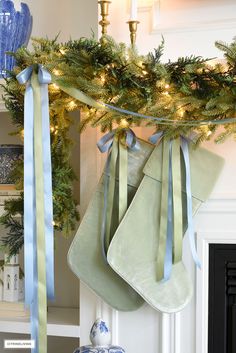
105, 143
30, 258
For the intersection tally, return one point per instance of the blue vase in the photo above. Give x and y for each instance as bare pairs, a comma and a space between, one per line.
15, 31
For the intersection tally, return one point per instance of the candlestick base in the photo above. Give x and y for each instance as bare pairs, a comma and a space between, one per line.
133, 26
104, 23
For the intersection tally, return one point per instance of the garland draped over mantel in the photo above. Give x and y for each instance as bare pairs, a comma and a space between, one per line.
120, 88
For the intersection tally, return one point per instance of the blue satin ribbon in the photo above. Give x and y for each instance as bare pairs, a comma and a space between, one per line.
44, 79
185, 150
30, 258
156, 138
165, 121
29, 206
105, 145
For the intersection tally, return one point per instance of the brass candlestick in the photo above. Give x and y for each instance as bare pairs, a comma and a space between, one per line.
133, 26
104, 4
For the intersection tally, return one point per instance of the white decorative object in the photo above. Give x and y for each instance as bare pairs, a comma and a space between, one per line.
133, 10
11, 279
100, 334
100, 337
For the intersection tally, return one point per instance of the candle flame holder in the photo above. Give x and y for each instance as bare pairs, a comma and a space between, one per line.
104, 23
133, 26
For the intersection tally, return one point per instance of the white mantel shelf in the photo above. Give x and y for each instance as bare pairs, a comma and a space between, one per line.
2, 105
62, 322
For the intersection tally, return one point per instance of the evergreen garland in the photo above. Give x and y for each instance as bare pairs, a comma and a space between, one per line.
189, 89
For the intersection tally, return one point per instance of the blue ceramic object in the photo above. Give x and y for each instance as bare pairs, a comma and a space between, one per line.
100, 334
15, 31
100, 337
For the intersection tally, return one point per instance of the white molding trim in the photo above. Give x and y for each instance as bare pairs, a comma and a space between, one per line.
177, 333
165, 333
198, 26
115, 327
170, 333
154, 8
220, 203
203, 241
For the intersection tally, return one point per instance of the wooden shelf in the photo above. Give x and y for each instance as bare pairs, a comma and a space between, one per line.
2, 105
62, 322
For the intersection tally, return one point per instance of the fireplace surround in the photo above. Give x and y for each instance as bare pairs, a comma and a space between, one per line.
205, 307
222, 298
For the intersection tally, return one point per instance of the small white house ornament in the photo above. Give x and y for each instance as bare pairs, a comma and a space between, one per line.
11, 279
100, 337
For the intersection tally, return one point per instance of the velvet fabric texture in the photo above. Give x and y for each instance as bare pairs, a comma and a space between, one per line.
85, 254
133, 250
132, 254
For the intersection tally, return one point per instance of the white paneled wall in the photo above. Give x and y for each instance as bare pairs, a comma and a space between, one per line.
188, 27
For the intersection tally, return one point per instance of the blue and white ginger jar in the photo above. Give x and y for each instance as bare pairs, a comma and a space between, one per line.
15, 31
100, 337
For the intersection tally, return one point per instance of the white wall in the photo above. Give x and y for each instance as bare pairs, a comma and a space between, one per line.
71, 18
205, 21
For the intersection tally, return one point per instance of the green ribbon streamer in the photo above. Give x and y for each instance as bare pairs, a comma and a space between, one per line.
82, 97
40, 232
118, 155
111, 191
177, 201
164, 211
123, 176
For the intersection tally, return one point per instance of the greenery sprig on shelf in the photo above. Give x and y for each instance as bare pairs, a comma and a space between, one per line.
189, 89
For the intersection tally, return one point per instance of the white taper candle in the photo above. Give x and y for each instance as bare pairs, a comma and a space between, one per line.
133, 10
17, 4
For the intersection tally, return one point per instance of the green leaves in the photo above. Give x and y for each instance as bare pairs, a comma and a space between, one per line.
188, 89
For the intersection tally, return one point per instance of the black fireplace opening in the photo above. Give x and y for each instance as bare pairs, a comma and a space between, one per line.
222, 298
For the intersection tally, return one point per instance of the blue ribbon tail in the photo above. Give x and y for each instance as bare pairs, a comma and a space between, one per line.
156, 137
44, 79
185, 150
30, 245
29, 235
34, 315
